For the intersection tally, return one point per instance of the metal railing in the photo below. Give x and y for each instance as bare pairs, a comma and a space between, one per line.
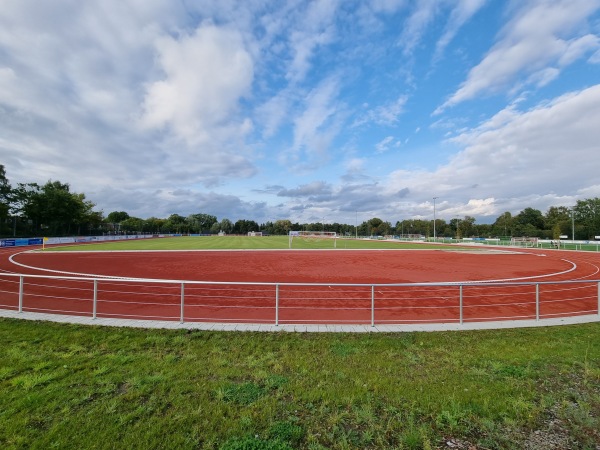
277, 303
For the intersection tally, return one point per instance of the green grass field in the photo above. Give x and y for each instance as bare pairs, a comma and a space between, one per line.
71, 386
245, 242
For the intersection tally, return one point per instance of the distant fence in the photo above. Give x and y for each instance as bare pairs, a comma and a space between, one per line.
581, 245
298, 303
21, 242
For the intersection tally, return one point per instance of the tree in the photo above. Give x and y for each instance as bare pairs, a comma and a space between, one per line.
244, 226
200, 222
557, 214
5, 199
503, 226
154, 225
466, 226
282, 227
558, 219
114, 219
226, 226
132, 225
587, 215
117, 217
52, 208
376, 227
176, 224
529, 222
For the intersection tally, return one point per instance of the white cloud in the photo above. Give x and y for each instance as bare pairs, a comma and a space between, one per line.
355, 164
306, 190
315, 126
528, 44
462, 12
595, 58
414, 28
385, 145
545, 150
387, 114
206, 74
315, 28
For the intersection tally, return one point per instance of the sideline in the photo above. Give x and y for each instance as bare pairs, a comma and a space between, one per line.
296, 328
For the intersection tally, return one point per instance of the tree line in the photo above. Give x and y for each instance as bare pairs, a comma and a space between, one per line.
30, 209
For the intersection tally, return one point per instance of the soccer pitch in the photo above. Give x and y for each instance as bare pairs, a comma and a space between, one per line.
244, 243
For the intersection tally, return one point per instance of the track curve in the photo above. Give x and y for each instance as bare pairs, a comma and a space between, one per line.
257, 286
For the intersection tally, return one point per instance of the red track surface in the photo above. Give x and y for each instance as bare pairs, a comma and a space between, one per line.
329, 303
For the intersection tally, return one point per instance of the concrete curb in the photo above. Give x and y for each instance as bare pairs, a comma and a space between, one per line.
298, 328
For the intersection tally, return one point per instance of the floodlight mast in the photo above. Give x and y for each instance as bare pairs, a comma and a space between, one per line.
573, 224
434, 235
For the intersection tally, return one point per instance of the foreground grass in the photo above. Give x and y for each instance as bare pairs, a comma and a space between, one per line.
245, 242
68, 386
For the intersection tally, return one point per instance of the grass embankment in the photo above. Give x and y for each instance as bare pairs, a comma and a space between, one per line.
67, 386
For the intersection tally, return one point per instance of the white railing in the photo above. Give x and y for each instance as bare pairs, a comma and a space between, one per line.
276, 303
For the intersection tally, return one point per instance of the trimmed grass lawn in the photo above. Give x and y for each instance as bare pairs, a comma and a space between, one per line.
247, 242
70, 386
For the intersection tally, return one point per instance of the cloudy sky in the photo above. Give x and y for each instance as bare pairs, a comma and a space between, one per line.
304, 110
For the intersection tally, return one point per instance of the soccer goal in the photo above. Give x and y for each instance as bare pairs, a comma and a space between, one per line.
527, 242
313, 236
255, 233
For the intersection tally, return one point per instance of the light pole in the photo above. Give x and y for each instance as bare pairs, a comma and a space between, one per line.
457, 226
356, 224
434, 235
573, 224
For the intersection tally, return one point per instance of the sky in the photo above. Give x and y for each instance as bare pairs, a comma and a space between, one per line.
312, 111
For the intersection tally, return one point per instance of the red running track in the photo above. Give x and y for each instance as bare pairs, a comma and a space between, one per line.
495, 285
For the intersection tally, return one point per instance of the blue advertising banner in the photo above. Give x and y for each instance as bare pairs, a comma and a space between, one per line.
20, 242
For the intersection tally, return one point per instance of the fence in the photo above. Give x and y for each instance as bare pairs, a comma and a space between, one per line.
298, 303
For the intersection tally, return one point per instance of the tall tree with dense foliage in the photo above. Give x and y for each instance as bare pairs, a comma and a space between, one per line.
587, 216
200, 222
5, 199
53, 209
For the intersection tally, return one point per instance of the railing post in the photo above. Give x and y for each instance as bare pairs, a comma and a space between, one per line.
182, 302
460, 304
94, 304
372, 305
21, 294
277, 305
599, 298
537, 301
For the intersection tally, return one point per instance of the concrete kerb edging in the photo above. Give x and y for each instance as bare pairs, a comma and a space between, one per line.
298, 328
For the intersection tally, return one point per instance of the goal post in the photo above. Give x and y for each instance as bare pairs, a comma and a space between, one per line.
527, 242
311, 236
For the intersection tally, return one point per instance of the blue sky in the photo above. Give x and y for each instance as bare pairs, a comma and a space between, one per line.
304, 110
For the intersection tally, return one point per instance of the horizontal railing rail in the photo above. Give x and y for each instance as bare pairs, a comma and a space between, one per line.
365, 303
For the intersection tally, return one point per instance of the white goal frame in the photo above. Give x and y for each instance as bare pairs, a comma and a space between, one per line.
313, 235
527, 242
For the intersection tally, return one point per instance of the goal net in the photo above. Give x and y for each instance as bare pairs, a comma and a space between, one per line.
527, 242
313, 236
